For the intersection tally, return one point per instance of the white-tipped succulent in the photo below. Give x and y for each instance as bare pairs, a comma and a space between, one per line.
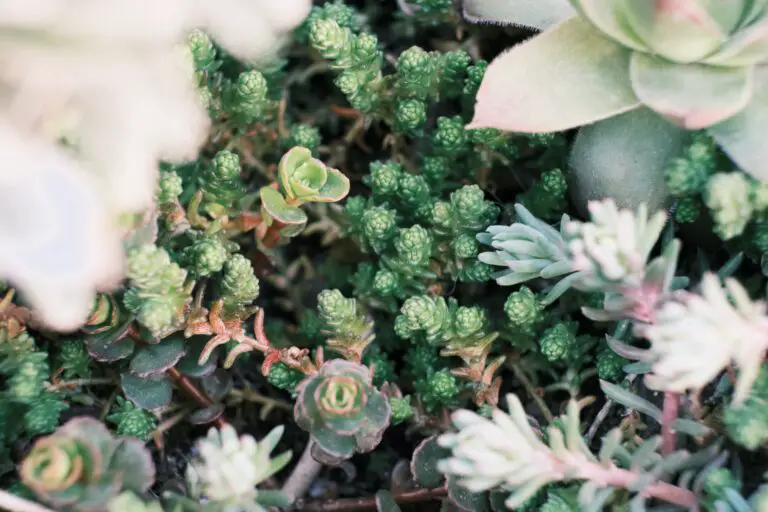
612, 250
529, 249
110, 79
696, 336
228, 468
505, 453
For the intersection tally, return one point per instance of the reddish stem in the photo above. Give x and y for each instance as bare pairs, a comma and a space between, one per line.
669, 415
411, 496
272, 236
183, 383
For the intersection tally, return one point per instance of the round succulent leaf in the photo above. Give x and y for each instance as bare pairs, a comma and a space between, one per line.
134, 464
308, 178
87, 497
335, 188
275, 205
693, 96
329, 448
154, 359
625, 158
291, 230
464, 499
151, 393
91, 435
742, 136
341, 402
189, 363
217, 385
109, 351
292, 160
610, 17
272, 498
523, 89
347, 368
424, 462
680, 31
748, 47
385, 502
538, 14
207, 415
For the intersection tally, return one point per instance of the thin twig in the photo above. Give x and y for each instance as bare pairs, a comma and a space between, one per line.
349, 504
14, 503
303, 475
669, 415
523, 378
76, 383
601, 415
191, 390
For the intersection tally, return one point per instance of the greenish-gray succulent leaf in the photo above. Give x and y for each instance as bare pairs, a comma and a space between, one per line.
189, 364
134, 463
538, 14
147, 393
424, 462
745, 48
465, 499
335, 188
625, 158
275, 205
683, 31
385, 502
332, 445
155, 359
742, 136
568, 76
272, 498
695, 96
610, 18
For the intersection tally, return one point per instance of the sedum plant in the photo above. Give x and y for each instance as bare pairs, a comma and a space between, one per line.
696, 64
342, 411
81, 466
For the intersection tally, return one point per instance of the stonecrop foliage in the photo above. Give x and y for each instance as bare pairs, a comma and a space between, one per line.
276, 254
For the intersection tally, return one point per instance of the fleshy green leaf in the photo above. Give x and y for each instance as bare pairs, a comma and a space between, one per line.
625, 158
742, 136
694, 96
271, 498
336, 188
207, 415
107, 352
610, 17
385, 502
424, 462
189, 364
154, 359
568, 76
294, 158
147, 393
135, 465
464, 499
217, 385
276, 206
538, 14
680, 31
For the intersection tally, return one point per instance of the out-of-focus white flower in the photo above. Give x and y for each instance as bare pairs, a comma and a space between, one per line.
613, 249
112, 73
694, 337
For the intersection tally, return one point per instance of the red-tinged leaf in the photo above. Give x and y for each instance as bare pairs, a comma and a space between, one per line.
566, 77
538, 14
610, 17
693, 96
743, 136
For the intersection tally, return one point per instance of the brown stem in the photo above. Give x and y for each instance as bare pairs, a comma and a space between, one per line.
272, 236
669, 415
192, 392
410, 496
528, 385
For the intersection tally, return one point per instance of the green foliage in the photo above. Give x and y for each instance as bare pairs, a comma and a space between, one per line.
746, 423
132, 421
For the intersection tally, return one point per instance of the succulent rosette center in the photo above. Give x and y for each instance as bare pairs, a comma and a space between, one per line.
340, 395
56, 464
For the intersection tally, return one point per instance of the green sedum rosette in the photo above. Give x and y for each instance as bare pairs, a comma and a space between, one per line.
81, 467
342, 411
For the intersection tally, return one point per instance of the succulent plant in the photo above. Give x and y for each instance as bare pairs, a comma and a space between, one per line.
228, 468
695, 63
342, 411
80, 467
301, 179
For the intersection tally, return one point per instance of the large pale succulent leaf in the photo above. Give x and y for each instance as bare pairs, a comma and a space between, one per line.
743, 136
538, 14
610, 17
624, 158
745, 48
694, 96
681, 31
568, 76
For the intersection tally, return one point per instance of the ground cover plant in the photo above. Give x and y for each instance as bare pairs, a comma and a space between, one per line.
384, 255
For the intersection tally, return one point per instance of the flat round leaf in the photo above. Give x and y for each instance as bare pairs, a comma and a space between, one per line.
207, 415
465, 500
135, 464
336, 188
274, 204
290, 161
745, 48
424, 463
217, 385
693, 96
385, 502
147, 393
189, 366
105, 350
497, 499
625, 158
154, 359
565, 77
538, 14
